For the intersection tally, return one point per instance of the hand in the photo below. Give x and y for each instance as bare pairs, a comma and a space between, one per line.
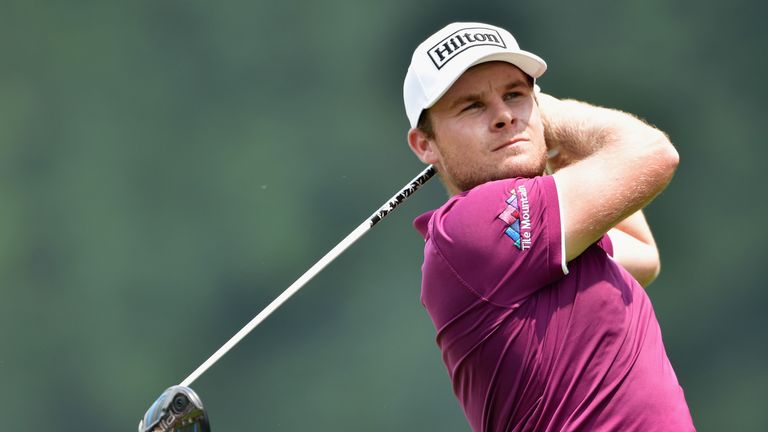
548, 105
567, 140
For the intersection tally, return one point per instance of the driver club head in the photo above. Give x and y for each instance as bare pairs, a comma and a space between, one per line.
178, 409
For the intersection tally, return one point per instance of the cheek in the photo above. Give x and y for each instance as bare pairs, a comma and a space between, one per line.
454, 142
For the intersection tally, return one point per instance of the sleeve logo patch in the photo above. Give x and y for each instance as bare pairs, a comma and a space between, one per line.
517, 216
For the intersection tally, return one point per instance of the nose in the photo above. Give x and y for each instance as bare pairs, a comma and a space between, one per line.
502, 117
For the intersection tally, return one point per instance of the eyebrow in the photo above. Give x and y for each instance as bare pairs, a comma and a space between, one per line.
476, 96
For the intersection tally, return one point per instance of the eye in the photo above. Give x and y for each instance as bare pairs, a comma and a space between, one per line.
471, 106
512, 95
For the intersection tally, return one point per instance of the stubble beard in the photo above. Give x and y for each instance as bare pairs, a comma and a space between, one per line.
465, 178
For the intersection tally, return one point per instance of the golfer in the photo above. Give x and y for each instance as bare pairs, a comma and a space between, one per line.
534, 268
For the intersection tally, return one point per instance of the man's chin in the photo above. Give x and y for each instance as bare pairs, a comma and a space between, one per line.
524, 170
464, 181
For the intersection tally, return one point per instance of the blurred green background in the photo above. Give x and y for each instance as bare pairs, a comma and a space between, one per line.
167, 168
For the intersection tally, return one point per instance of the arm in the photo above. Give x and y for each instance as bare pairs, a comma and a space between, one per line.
608, 165
635, 249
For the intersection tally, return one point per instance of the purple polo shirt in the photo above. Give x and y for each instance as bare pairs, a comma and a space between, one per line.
533, 344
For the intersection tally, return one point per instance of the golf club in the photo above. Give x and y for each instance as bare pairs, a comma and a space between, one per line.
352, 237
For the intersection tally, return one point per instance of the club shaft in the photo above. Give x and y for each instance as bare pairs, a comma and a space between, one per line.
351, 238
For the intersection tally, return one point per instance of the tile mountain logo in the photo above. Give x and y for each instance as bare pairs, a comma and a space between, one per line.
460, 41
517, 216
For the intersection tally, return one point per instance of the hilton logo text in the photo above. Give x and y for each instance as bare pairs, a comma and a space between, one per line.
460, 41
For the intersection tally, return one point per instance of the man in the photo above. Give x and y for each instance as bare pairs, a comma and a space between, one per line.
534, 281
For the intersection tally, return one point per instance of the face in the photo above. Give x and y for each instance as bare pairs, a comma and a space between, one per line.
486, 127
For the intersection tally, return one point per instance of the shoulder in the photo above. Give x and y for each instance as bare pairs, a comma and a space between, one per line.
500, 229
503, 215
506, 200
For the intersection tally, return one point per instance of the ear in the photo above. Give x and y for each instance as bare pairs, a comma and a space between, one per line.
423, 146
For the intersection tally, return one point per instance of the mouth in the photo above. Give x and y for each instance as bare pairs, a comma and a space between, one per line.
510, 143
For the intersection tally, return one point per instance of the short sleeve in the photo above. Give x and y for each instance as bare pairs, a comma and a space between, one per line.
503, 239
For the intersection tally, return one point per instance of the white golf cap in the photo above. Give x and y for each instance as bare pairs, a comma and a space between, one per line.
441, 59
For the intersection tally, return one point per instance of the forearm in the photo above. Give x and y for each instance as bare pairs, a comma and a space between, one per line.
576, 130
608, 165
